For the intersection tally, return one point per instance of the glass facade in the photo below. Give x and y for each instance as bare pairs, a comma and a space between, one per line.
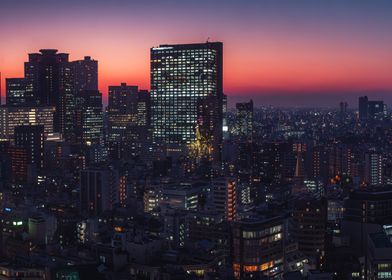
182, 76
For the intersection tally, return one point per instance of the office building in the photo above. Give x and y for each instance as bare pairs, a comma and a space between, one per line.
19, 163
11, 117
183, 196
182, 76
31, 137
244, 120
98, 190
48, 76
16, 92
85, 75
308, 227
89, 118
258, 247
128, 107
371, 110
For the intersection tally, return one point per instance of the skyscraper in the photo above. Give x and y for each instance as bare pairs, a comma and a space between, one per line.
48, 77
121, 109
16, 92
89, 118
85, 75
129, 130
182, 76
244, 120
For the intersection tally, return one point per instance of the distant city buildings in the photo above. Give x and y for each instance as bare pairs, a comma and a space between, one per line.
371, 110
176, 184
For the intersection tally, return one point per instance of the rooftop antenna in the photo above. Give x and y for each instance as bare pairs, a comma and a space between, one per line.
208, 39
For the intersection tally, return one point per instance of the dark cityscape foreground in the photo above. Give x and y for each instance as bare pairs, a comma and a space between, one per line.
173, 184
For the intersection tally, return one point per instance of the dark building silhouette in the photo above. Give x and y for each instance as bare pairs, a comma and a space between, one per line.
371, 110
85, 75
308, 227
48, 77
16, 92
98, 190
244, 120
31, 137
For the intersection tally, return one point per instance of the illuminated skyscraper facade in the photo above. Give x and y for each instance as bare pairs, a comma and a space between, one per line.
89, 118
182, 76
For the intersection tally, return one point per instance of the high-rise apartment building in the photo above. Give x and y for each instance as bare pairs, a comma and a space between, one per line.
373, 168
182, 76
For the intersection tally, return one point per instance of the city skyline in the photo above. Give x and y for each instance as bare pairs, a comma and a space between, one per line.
345, 51
196, 140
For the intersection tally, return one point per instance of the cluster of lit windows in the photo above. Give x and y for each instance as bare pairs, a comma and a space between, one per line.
15, 116
179, 79
261, 233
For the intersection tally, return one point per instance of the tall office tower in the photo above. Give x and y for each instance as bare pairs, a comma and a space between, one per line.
16, 92
258, 247
48, 77
85, 75
129, 121
308, 226
122, 109
181, 76
363, 108
98, 190
31, 137
11, 117
89, 118
244, 120
373, 169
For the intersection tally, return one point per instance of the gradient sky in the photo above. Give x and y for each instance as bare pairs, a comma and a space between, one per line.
289, 48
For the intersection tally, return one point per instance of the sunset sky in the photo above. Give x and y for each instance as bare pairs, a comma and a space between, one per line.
288, 48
